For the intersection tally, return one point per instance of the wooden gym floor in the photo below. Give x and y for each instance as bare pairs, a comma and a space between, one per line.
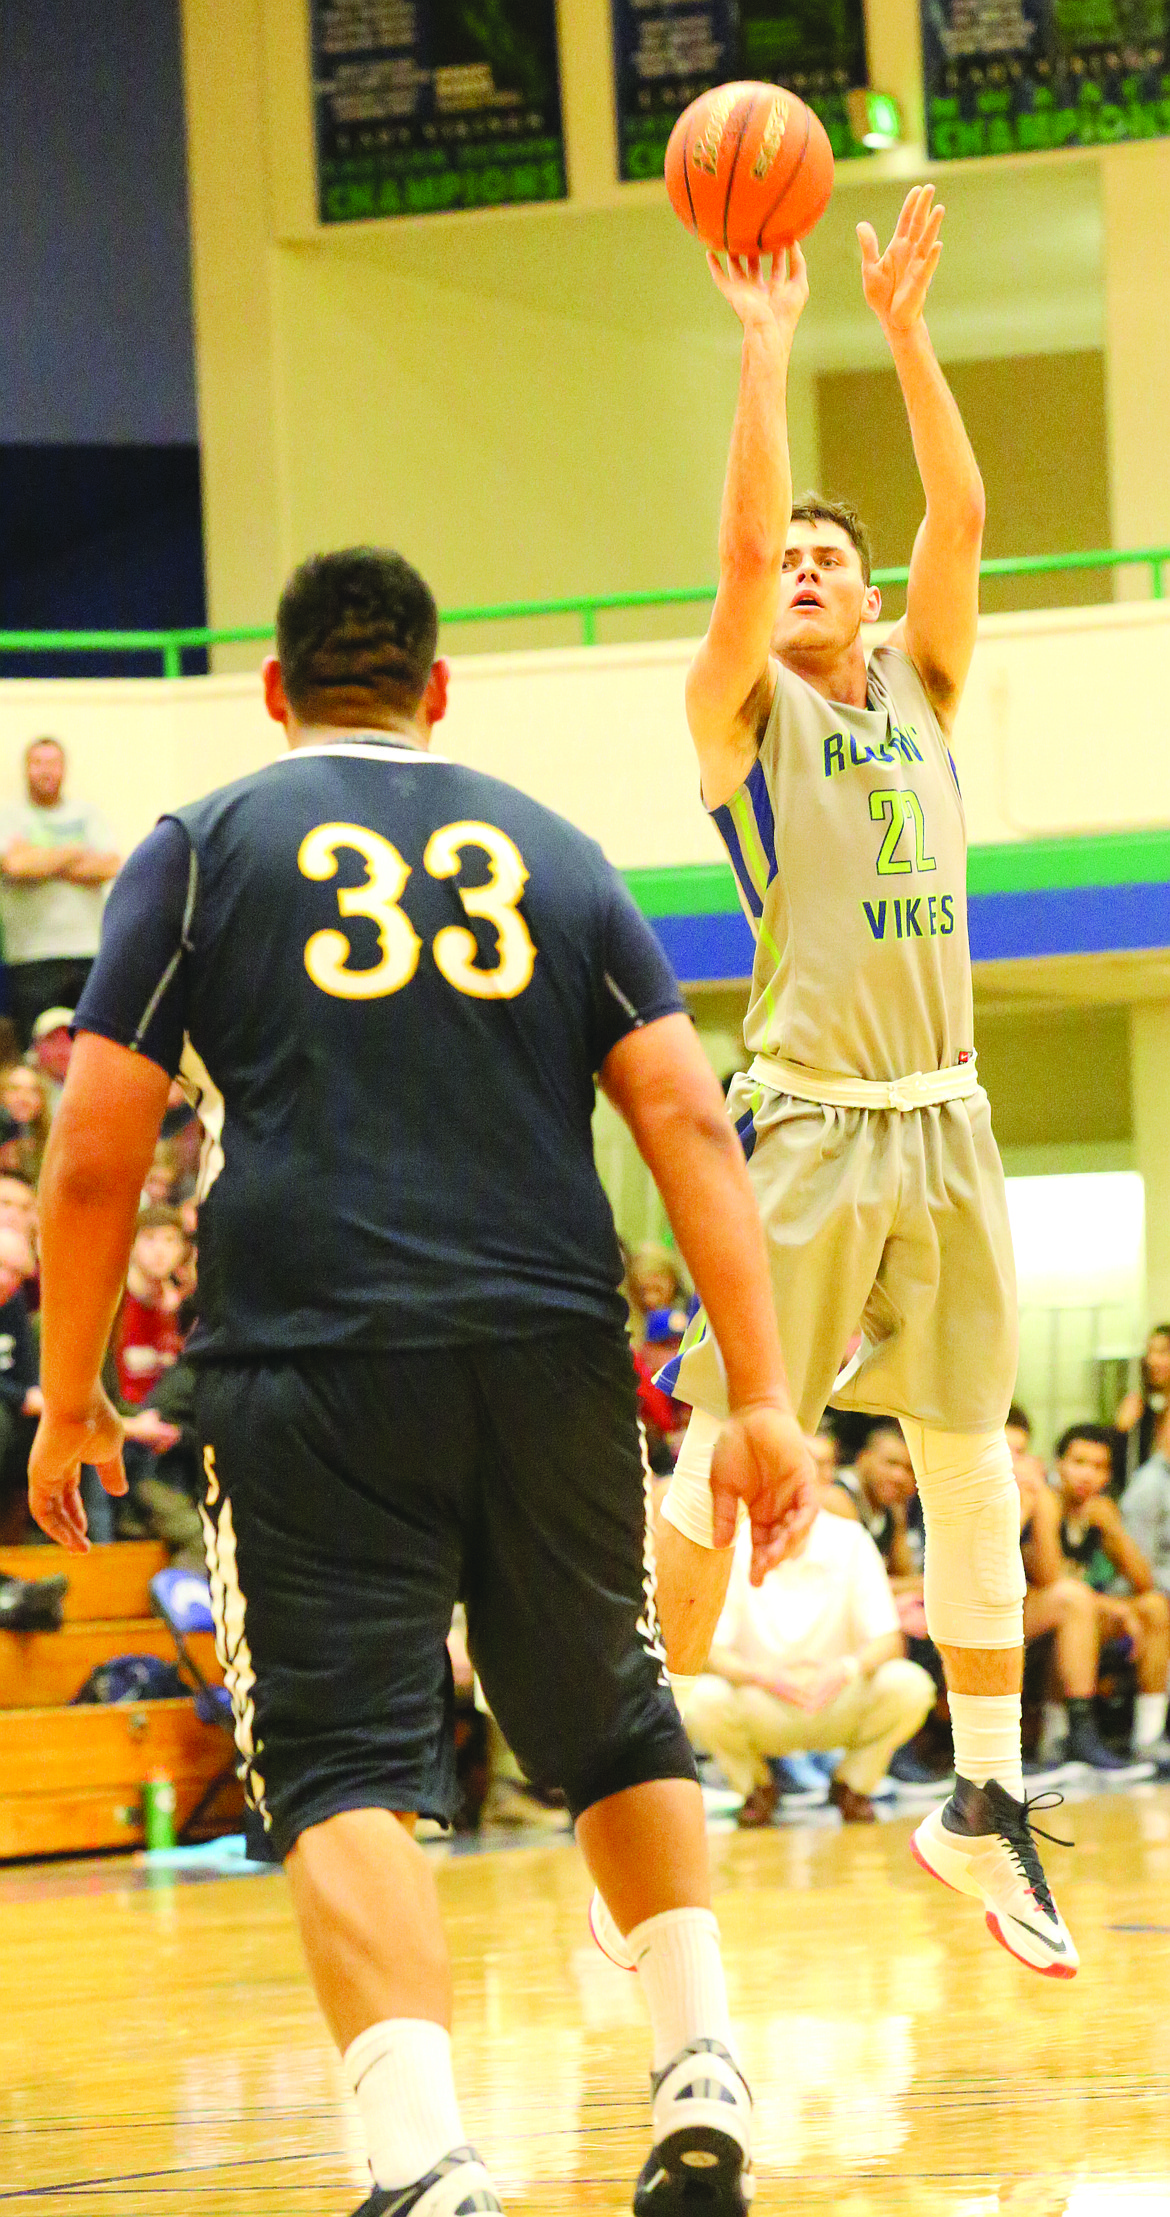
160, 2055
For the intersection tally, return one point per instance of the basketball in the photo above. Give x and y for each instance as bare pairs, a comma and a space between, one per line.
749, 168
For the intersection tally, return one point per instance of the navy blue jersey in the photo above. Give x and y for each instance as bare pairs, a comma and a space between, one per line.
390, 981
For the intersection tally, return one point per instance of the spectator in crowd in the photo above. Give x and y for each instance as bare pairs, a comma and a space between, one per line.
1018, 1432
20, 1393
18, 1213
811, 1659
822, 1446
147, 1336
654, 1280
1140, 1413
56, 857
1062, 1608
879, 1489
50, 1048
160, 1186
1145, 1508
24, 1098
1091, 1544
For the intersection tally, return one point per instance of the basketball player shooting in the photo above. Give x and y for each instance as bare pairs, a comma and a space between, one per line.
868, 1138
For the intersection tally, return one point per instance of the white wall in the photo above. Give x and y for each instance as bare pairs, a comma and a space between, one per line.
1065, 728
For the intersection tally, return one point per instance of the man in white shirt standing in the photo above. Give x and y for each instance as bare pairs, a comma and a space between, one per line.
56, 858
812, 1658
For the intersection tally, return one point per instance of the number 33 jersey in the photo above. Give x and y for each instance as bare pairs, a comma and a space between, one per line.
388, 981
848, 841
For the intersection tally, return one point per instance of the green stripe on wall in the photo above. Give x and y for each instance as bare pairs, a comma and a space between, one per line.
1020, 866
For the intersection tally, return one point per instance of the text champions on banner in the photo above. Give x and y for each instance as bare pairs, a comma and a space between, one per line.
424, 105
1024, 76
666, 52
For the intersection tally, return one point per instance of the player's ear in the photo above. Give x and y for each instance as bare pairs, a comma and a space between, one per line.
434, 700
275, 698
872, 605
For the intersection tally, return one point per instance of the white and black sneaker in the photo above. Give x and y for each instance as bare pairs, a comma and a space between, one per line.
981, 1843
700, 2164
459, 2186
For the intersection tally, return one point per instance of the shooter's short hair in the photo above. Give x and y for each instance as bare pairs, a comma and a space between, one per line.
812, 505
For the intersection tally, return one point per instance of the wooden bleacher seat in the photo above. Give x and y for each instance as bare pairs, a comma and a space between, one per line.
71, 1778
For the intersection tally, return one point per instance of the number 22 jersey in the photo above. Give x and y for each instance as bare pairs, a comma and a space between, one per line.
389, 981
848, 841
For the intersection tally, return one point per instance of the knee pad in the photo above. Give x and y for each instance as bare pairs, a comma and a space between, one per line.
974, 1584
687, 1502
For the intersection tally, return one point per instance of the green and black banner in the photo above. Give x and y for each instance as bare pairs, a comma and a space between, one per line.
666, 52
423, 105
1020, 76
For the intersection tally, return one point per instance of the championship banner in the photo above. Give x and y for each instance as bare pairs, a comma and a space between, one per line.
1014, 76
428, 104
666, 52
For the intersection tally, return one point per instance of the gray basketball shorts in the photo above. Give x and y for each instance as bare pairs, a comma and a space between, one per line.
889, 1223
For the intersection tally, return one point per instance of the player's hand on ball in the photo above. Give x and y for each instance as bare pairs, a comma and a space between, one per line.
758, 297
896, 283
761, 1459
60, 1448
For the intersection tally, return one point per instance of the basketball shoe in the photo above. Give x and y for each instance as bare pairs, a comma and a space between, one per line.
981, 1843
457, 2187
700, 2164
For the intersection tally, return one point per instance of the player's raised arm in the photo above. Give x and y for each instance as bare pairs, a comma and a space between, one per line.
730, 685
942, 597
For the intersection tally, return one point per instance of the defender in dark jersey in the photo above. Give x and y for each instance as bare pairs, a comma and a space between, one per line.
389, 982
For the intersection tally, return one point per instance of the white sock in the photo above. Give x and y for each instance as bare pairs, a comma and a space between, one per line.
681, 1969
1053, 1728
400, 2072
986, 1730
1149, 1719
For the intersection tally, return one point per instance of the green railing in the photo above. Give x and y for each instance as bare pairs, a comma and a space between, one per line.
171, 646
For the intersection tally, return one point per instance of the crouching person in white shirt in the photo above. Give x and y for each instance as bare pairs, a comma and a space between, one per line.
813, 1658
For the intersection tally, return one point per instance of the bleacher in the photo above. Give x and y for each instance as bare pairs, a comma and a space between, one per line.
71, 1778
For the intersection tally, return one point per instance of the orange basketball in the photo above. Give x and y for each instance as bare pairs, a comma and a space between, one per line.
749, 168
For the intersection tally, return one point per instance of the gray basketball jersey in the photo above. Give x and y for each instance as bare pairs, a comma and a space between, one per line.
849, 846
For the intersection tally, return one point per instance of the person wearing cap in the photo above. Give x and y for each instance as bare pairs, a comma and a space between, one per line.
49, 1050
56, 859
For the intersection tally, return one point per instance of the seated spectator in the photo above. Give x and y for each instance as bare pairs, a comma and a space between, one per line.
160, 1185
1075, 1549
654, 1280
1145, 1508
811, 1659
20, 1393
147, 1335
880, 1489
24, 1096
18, 1213
49, 1050
822, 1446
1140, 1413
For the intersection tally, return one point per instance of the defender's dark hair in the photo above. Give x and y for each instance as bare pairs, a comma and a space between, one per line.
1019, 1419
359, 622
1097, 1435
812, 505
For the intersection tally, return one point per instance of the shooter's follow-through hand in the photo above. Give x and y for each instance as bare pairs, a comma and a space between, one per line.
760, 298
896, 283
762, 1460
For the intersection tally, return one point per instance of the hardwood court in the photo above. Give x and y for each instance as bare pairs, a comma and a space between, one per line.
159, 2051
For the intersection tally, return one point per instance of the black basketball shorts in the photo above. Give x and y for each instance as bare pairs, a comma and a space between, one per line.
352, 1499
